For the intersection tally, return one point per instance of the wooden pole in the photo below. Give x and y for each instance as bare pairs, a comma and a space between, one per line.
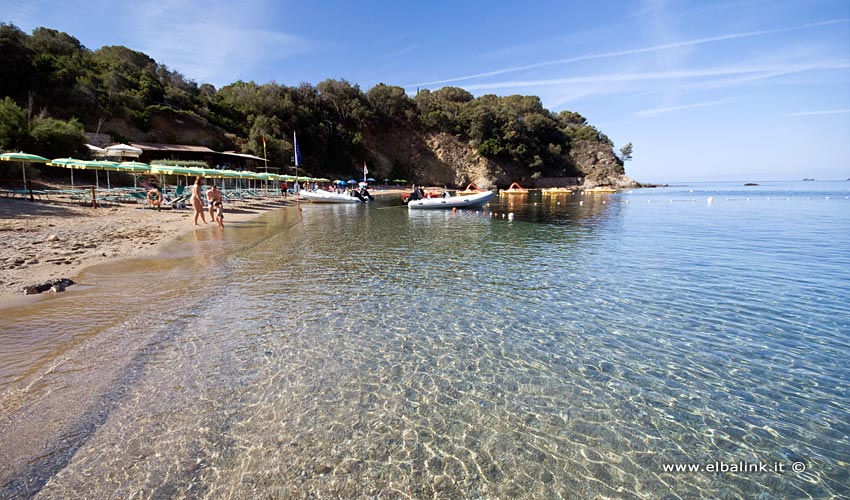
29, 186
93, 197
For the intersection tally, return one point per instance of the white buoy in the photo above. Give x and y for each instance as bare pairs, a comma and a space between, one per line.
709, 200
580, 203
511, 216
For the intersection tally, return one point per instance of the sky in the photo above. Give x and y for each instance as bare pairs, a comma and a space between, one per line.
705, 91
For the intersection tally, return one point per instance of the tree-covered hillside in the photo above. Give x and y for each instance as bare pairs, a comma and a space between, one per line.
54, 88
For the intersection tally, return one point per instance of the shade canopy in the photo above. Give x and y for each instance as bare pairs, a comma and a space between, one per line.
95, 150
123, 151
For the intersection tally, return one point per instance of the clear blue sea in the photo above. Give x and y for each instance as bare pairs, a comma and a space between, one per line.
567, 346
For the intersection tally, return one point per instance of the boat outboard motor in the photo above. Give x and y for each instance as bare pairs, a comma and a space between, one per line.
364, 194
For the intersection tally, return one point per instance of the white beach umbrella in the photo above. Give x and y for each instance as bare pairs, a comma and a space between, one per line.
123, 151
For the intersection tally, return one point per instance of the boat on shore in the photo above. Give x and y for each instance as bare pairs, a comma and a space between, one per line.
321, 196
468, 201
514, 189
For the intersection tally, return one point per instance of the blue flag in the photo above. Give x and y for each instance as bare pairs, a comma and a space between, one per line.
297, 151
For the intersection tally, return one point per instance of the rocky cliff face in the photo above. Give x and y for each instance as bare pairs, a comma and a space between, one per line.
600, 165
440, 159
434, 159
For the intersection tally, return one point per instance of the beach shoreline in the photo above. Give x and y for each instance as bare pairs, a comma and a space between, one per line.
59, 238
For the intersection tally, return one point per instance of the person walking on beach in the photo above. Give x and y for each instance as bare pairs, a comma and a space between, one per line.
197, 202
213, 195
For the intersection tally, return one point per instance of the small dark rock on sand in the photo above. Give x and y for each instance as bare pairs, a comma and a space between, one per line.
55, 285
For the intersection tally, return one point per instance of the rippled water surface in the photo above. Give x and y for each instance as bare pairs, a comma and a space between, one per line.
562, 346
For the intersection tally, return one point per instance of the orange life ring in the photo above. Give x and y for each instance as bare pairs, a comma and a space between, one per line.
154, 198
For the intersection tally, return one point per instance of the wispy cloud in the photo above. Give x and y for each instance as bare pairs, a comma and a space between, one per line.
642, 50
746, 71
819, 113
671, 109
405, 50
216, 44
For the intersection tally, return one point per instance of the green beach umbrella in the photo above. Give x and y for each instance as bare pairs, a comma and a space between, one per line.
70, 163
24, 158
97, 166
205, 172
135, 167
172, 170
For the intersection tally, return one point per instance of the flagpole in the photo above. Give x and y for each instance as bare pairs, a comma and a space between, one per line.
266, 163
265, 158
297, 162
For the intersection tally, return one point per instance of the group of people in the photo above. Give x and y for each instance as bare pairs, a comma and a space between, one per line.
214, 198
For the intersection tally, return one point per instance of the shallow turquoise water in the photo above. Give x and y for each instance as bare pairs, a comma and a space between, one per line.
567, 346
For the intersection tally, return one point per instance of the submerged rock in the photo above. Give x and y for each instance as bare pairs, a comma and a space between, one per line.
55, 285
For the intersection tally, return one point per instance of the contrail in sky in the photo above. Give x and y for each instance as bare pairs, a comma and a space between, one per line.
654, 48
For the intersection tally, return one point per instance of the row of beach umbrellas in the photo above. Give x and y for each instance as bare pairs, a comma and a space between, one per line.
132, 167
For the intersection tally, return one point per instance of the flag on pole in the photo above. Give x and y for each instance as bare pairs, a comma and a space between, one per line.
297, 151
365, 171
264, 146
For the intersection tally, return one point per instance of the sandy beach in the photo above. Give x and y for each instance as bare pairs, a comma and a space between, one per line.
57, 238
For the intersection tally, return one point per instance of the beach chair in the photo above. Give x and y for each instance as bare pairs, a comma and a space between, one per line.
138, 196
178, 200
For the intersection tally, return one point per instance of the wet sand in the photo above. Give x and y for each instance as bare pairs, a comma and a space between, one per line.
58, 238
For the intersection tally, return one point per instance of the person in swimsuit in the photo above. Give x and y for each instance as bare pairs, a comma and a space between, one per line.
213, 195
197, 202
219, 213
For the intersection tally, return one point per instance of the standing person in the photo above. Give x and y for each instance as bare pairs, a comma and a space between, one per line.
213, 195
219, 213
197, 202
283, 188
